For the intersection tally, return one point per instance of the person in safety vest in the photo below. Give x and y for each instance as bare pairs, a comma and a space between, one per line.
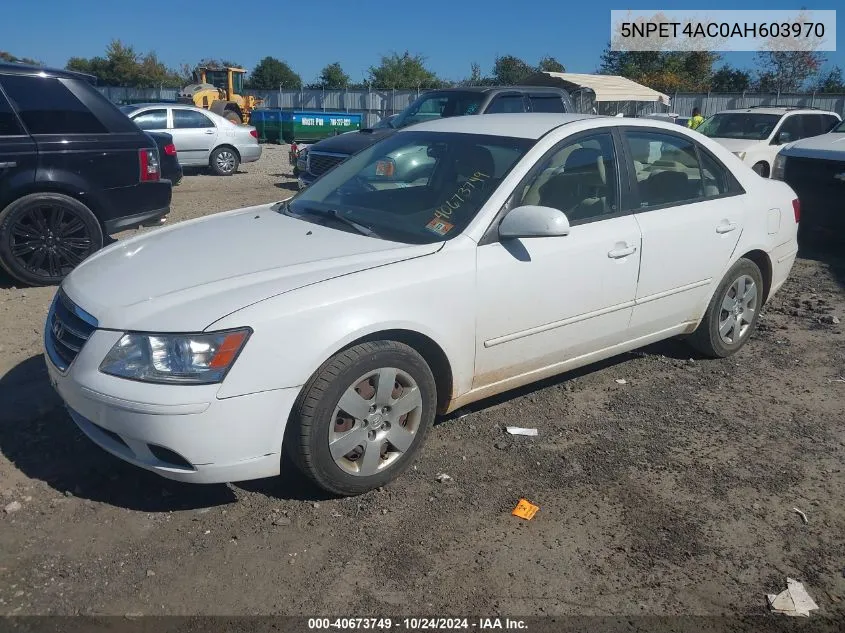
696, 119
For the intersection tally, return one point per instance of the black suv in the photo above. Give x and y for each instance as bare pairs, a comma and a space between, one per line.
73, 168
316, 159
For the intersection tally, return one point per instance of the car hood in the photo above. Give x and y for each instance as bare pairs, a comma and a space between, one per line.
352, 142
189, 275
830, 146
736, 144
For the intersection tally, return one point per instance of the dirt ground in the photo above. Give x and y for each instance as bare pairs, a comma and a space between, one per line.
672, 493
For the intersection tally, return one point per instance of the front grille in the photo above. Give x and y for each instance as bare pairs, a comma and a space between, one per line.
68, 328
319, 164
813, 172
820, 185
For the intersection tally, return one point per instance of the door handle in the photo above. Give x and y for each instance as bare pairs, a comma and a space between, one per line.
726, 227
8, 165
623, 251
209, 131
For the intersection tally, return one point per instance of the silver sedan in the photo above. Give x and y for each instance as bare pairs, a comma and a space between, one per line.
202, 138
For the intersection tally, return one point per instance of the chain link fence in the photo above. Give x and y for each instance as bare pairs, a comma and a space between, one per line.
377, 104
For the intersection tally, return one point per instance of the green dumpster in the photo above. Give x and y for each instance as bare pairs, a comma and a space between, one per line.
302, 127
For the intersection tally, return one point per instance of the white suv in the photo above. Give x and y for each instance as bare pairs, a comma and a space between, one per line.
756, 134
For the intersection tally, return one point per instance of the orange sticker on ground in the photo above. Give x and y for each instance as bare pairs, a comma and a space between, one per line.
439, 226
525, 510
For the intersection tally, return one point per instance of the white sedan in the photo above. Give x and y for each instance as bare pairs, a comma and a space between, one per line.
334, 326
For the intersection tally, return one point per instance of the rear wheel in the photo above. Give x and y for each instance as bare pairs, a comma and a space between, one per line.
43, 236
733, 312
224, 161
362, 418
762, 169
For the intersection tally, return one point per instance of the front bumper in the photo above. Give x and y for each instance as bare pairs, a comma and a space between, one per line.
205, 439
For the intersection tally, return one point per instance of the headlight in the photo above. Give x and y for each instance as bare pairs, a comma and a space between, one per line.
779, 167
740, 155
196, 359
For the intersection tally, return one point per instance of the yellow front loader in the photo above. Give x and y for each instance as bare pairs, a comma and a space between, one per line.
221, 91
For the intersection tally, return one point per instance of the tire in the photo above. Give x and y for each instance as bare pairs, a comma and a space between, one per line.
319, 418
722, 312
43, 236
233, 116
762, 169
224, 161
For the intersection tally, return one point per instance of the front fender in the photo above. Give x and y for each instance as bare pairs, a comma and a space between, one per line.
295, 333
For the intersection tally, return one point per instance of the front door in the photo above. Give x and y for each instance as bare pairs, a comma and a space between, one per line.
194, 135
18, 154
546, 300
691, 213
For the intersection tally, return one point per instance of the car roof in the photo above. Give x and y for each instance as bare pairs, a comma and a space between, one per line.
775, 110
517, 124
13, 68
486, 89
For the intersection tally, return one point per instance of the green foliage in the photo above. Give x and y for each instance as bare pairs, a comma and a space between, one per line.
550, 65
729, 79
123, 66
402, 72
509, 70
787, 71
832, 81
687, 71
332, 77
272, 74
8, 57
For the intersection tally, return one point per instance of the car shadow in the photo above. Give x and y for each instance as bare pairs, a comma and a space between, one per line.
289, 186
38, 437
829, 251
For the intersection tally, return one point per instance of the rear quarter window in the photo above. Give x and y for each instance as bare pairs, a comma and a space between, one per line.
46, 106
9, 125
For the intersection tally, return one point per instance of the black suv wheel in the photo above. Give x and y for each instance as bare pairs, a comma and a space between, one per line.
43, 236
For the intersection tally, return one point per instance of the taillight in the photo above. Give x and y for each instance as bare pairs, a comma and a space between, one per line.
150, 168
796, 209
293, 148
170, 149
253, 133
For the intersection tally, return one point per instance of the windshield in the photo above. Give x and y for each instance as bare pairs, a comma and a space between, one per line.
741, 125
437, 105
413, 187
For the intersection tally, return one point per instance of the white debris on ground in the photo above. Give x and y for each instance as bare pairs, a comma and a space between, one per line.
443, 478
793, 601
518, 430
621, 381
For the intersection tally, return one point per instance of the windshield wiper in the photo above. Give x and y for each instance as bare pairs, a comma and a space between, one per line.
336, 215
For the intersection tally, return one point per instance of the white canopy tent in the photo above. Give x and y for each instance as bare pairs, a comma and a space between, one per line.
604, 94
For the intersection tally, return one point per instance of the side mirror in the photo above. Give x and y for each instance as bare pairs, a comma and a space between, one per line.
783, 138
534, 221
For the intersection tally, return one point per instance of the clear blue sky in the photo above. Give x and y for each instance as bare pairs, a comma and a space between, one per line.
309, 35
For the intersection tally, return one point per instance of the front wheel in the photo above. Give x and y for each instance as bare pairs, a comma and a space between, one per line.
362, 418
733, 312
43, 236
224, 161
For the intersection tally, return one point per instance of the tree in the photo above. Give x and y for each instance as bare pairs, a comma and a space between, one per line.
550, 65
787, 71
332, 77
832, 81
729, 79
123, 66
271, 74
402, 72
666, 71
509, 70
8, 57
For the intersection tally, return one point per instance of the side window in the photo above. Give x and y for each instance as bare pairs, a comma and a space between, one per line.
9, 125
46, 106
790, 130
546, 103
714, 176
190, 119
579, 179
828, 122
152, 120
506, 103
666, 167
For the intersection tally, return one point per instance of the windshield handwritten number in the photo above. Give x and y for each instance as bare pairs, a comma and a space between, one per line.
463, 194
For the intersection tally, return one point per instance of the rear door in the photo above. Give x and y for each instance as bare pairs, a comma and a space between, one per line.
691, 213
18, 155
194, 135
